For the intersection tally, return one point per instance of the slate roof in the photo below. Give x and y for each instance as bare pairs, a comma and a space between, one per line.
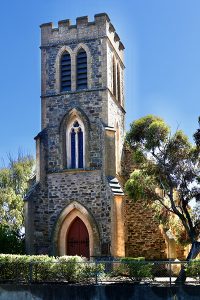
115, 186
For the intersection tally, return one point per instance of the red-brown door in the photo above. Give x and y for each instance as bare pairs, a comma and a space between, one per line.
78, 239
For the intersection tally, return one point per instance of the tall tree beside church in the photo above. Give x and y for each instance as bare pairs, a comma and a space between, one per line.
13, 187
169, 163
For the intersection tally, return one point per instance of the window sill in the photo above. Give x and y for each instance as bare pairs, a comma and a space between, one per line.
86, 170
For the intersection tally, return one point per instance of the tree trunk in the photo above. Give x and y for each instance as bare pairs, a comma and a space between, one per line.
194, 251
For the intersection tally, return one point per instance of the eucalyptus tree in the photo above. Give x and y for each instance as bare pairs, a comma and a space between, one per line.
167, 173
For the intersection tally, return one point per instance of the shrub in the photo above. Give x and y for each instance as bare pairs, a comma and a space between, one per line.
41, 268
69, 268
93, 270
193, 269
136, 268
13, 267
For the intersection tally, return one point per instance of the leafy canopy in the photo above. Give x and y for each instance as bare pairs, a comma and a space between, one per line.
13, 187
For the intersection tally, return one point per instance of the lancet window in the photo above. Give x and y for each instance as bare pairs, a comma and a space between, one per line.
81, 65
114, 78
65, 72
75, 145
118, 85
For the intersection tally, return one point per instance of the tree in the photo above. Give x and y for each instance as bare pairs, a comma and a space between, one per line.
13, 187
11, 240
197, 135
168, 173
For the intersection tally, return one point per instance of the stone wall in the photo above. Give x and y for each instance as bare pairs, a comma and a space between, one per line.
36, 220
112, 55
90, 107
143, 236
86, 187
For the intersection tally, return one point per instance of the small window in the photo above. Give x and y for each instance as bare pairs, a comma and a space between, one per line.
65, 72
81, 70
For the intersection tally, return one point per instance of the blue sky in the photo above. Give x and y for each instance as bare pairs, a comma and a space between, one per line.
162, 57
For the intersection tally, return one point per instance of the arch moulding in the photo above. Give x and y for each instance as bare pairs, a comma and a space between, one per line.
73, 210
57, 65
89, 61
79, 114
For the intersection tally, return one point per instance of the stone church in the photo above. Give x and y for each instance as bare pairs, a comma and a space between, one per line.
77, 203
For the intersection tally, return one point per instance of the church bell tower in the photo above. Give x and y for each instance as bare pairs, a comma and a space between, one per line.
75, 205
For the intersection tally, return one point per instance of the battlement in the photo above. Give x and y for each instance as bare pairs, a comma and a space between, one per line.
83, 29
80, 22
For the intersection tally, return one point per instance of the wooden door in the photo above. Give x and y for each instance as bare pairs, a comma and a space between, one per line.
78, 239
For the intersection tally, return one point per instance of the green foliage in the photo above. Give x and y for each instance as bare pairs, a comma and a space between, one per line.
170, 222
75, 269
197, 135
168, 174
92, 270
139, 157
140, 185
136, 268
42, 268
13, 187
150, 131
25, 268
11, 241
196, 214
69, 268
193, 269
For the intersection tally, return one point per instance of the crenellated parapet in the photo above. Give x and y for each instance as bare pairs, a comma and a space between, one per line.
66, 32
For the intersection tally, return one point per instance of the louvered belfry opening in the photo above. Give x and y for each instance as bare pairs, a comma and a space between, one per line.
118, 85
65, 72
81, 70
114, 78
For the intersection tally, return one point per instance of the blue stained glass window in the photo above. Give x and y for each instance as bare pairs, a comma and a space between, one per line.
73, 149
76, 140
80, 149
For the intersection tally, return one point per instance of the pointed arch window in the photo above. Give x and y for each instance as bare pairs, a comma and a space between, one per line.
65, 72
118, 85
81, 65
114, 78
76, 145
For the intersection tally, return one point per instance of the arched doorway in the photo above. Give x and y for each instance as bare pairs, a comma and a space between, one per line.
77, 240
62, 228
